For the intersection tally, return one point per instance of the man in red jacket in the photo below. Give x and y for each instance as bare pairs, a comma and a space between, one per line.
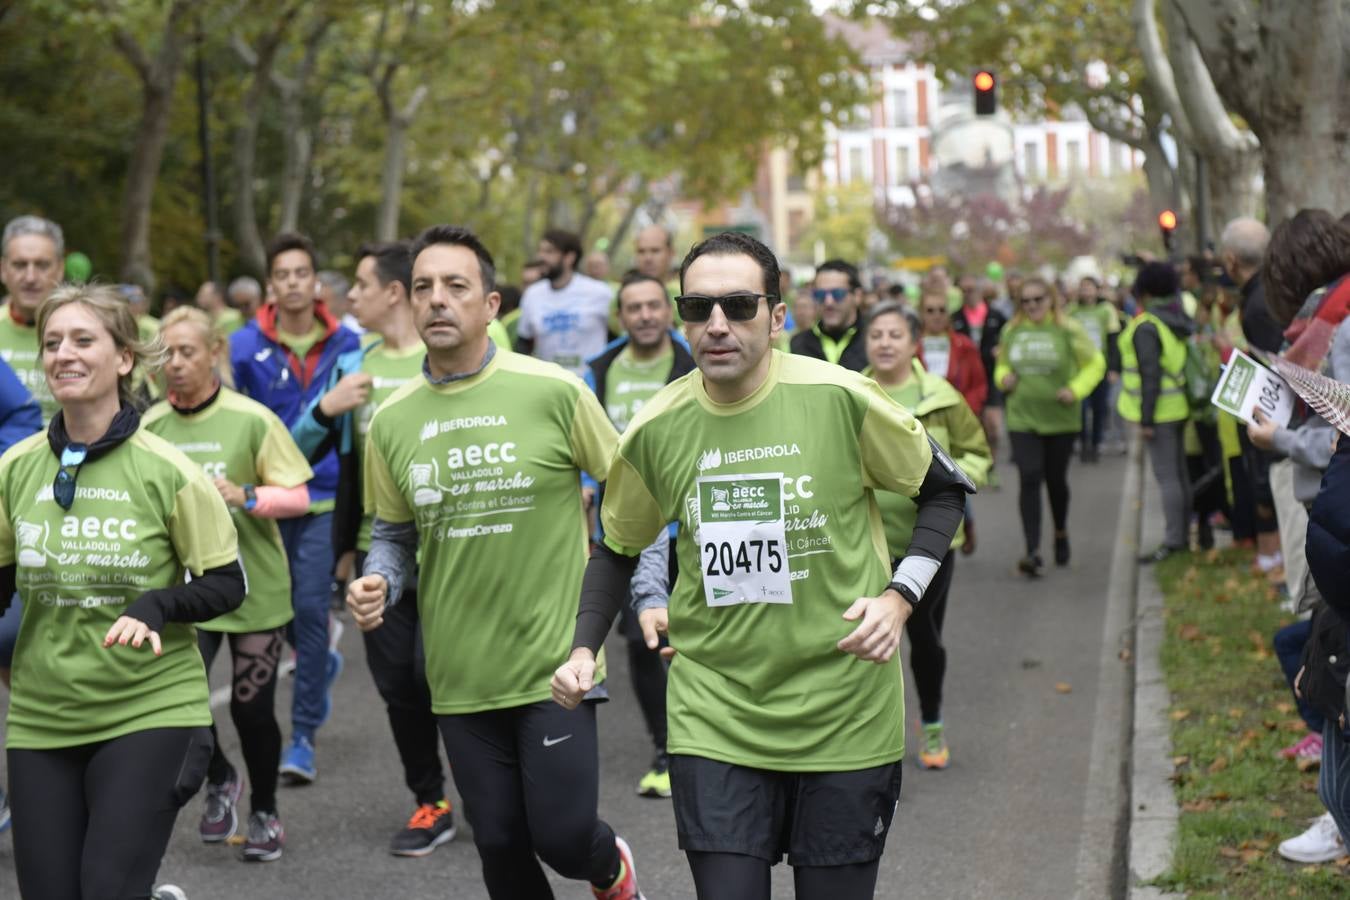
948, 353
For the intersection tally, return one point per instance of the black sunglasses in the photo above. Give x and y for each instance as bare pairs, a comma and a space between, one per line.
63, 488
1037, 298
740, 307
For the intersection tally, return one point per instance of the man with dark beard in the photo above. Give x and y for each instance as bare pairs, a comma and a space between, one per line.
564, 316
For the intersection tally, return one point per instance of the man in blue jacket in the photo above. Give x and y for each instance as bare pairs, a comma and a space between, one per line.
283, 359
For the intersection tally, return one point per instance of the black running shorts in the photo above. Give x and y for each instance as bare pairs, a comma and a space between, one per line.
816, 818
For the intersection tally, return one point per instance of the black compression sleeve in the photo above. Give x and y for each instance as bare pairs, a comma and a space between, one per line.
213, 593
941, 504
7, 575
603, 590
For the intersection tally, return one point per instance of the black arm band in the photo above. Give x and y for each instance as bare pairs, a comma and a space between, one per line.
213, 593
941, 505
603, 591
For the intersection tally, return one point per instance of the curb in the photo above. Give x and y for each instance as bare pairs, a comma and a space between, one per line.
1103, 847
1153, 810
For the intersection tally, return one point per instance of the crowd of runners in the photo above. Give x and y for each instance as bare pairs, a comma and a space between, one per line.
401, 438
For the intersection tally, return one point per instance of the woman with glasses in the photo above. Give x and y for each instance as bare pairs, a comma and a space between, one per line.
99, 522
260, 474
892, 341
1046, 365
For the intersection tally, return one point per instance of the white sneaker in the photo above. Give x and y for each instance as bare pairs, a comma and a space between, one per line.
1320, 843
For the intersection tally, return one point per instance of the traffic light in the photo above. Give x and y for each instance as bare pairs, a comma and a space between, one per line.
986, 96
1167, 222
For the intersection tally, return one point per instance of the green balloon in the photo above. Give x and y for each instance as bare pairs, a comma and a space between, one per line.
78, 267
994, 271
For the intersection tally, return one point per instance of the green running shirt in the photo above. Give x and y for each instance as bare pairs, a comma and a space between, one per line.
19, 347
389, 371
242, 440
631, 383
763, 684
143, 514
489, 467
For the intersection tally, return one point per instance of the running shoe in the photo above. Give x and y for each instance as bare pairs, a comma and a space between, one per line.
168, 892
431, 825
626, 887
1031, 566
265, 838
1320, 843
935, 754
297, 763
1061, 549
656, 783
1157, 556
4, 811
1307, 750
220, 820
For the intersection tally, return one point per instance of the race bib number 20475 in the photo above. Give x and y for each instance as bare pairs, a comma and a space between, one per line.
742, 540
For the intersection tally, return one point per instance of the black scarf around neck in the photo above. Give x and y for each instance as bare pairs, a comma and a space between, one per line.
123, 426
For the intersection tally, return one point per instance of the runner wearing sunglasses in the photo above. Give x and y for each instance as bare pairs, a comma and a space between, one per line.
837, 292
785, 696
99, 520
1046, 365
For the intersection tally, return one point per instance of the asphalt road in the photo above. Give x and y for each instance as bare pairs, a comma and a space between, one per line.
1003, 822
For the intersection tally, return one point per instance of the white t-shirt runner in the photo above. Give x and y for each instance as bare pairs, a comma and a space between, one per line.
568, 326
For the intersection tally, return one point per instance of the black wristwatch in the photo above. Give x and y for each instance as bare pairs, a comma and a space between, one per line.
250, 498
904, 591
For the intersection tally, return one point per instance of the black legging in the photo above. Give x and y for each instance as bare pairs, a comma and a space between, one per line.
398, 665
530, 780
92, 822
927, 656
733, 876
253, 689
1042, 458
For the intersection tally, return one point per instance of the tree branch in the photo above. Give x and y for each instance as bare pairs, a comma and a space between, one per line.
1227, 34
1213, 130
1159, 67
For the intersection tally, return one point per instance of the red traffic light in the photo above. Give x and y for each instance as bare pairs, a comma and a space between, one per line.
984, 81
1167, 220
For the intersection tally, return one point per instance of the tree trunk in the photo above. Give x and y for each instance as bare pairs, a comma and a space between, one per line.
300, 140
391, 180
1306, 165
1285, 68
142, 174
293, 173
158, 77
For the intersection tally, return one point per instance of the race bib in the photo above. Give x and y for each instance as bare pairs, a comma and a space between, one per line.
936, 355
742, 540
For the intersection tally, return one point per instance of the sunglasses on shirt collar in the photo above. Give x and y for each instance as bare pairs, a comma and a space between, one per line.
738, 307
63, 487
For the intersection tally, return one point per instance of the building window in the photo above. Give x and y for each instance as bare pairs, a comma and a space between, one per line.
902, 168
1031, 159
1075, 152
901, 116
855, 164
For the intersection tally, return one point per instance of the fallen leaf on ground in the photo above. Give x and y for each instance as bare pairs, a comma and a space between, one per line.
1277, 812
1180, 760
1251, 856
1220, 763
1230, 853
1202, 805
1307, 765
1284, 707
1190, 632
1063, 687
1177, 715
1126, 655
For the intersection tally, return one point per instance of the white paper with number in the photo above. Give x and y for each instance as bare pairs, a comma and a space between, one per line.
1246, 384
742, 539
